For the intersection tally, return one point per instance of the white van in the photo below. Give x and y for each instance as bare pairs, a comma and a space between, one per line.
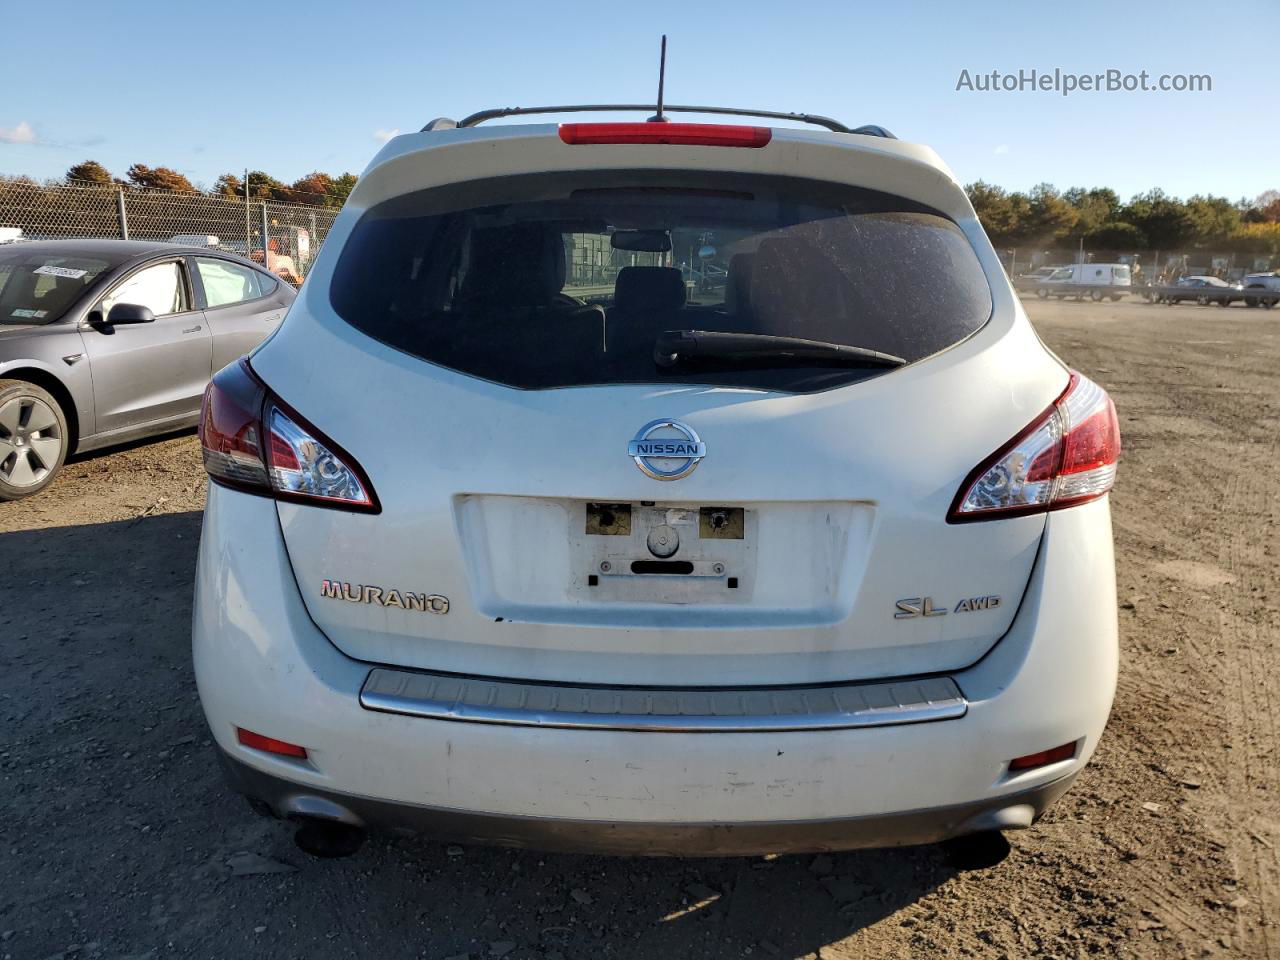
1096, 280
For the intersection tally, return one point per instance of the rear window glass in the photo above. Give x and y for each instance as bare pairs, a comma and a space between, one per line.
571, 279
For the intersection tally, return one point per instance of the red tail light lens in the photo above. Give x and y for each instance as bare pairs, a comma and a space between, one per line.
1066, 456
252, 441
686, 134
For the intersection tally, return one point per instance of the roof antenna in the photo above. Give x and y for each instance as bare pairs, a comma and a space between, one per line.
662, 76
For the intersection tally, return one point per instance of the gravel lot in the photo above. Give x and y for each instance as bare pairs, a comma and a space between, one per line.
117, 838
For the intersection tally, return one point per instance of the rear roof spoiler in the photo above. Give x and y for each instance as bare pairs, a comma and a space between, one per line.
444, 123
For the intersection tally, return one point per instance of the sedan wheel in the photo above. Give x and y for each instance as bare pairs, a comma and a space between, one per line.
33, 439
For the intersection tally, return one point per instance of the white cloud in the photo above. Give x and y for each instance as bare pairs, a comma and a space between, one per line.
1002, 150
382, 136
22, 133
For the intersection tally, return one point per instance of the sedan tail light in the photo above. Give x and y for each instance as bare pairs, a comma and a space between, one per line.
1064, 457
256, 443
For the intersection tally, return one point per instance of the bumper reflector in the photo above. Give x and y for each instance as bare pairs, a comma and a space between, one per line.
1043, 758
270, 745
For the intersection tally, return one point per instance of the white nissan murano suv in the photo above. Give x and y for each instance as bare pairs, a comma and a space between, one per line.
656, 488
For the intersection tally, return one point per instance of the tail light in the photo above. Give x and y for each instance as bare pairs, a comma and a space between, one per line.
1066, 456
254, 442
684, 134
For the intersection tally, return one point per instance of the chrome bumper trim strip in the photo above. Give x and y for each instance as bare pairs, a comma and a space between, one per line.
748, 710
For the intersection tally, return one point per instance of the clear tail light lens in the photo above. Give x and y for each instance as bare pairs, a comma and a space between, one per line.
1066, 456
252, 441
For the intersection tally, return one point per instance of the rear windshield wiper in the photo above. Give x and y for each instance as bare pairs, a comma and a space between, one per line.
677, 346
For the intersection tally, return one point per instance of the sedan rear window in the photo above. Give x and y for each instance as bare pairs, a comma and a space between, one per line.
39, 287
574, 279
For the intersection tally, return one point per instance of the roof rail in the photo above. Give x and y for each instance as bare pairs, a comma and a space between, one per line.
443, 123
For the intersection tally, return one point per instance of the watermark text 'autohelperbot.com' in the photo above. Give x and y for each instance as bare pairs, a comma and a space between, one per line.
1065, 83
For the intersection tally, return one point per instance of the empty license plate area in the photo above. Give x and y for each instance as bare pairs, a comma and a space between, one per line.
664, 552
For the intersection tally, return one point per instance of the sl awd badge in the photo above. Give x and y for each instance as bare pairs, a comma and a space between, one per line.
913, 607
666, 449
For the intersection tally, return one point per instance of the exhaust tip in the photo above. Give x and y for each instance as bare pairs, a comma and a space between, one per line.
329, 839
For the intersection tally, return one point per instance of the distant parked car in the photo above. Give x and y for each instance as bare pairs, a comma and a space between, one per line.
1268, 287
1203, 290
10, 234
105, 341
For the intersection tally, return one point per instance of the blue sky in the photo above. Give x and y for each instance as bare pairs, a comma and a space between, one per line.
289, 88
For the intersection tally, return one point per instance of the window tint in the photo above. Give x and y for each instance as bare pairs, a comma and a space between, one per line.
226, 283
158, 288
569, 279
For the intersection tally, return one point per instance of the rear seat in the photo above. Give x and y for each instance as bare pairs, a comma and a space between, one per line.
646, 301
512, 296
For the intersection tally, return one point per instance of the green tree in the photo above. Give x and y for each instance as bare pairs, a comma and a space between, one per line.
1049, 216
995, 211
1212, 219
1094, 209
1117, 235
1264, 209
1162, 218
229, 185
160, 178
263, 186
341, 189
90, 171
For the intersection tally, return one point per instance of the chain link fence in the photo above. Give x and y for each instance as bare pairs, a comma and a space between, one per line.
286, 236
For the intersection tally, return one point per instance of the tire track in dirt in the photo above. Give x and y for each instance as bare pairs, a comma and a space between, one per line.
1249, 501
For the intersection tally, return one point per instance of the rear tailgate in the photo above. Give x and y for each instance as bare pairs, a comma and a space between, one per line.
848, 496
501, 549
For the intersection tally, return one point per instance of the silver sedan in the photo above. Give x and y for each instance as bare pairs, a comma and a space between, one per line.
107, 341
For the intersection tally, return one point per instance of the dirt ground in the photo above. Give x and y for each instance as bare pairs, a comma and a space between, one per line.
117, 838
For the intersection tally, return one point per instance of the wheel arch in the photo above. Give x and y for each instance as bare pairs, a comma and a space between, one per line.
58, 390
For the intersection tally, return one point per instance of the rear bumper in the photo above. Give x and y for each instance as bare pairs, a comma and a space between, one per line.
261, 664
292, 800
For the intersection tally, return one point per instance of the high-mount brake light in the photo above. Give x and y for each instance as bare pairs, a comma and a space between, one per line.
252, 441
1066, 456
682, 134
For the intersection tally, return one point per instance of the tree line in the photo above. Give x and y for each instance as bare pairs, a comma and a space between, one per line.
316, 189
1040, 217
1045, 217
